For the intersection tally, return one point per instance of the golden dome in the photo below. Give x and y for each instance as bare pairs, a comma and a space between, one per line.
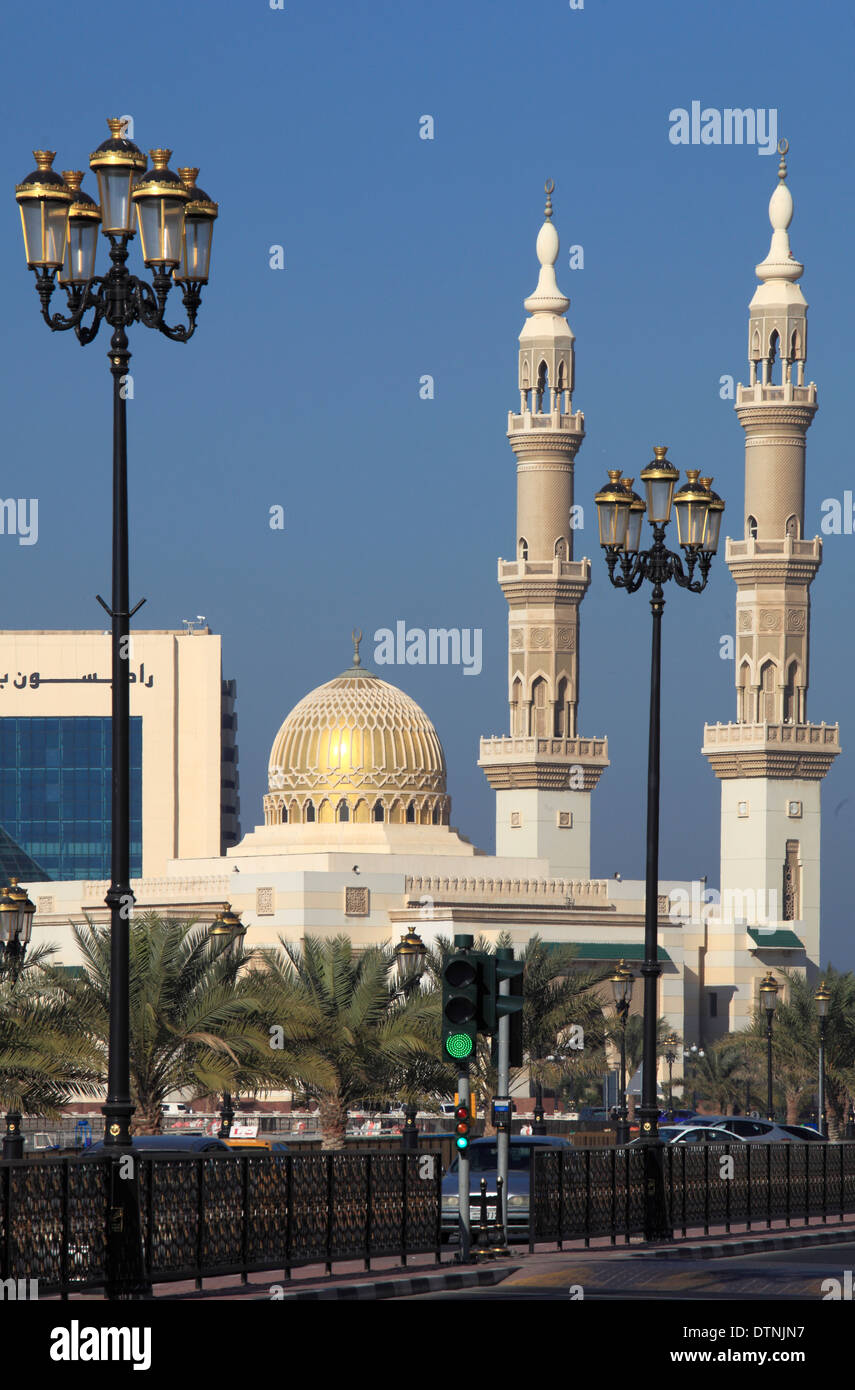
357, 749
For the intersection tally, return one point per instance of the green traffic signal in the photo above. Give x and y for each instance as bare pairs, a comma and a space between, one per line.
460, 1005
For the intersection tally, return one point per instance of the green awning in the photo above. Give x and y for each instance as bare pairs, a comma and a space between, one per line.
775, 938
606, 950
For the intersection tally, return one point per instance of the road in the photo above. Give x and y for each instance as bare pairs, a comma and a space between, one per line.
791, 1275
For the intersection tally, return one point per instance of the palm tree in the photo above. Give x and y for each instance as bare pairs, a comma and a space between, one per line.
358, 1036
44, 1057
635, 1048
795, 1044
720, 1075
195, 1012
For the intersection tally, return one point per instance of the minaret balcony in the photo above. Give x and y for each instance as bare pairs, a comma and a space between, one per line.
771, 750
544, 581
547, 763
787, 560
573, 423
760, 394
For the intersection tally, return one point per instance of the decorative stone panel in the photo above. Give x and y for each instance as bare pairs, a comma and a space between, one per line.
356, 902
264, 902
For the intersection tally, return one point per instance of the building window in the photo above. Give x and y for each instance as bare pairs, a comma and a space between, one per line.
378, 810
794, 809
310, 811
713, 998
56, 793
792, 883
411, 814
565, 820
742, 808
516, 820
751, 528
343, 811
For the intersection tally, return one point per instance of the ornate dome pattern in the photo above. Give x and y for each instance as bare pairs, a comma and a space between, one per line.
357, 749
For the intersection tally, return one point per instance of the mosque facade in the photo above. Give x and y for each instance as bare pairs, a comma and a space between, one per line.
357, 834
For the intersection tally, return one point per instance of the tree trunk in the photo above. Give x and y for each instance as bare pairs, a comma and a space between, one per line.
793, 1098
148, 1117
333, 1118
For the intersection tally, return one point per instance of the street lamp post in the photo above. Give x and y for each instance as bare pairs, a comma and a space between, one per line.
690, 1056
620, 513
621, 983
60, 224
822, 997
16, 924
227, 931
768, 1000
410, 955
672, 1042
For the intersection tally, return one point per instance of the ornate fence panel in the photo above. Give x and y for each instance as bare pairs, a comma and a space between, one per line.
211, 1214
591, 1193
584, 1193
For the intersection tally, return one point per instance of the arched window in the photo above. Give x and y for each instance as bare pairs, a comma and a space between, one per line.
768, 693
774, 346
522, 548
792, 527
411, 814
343, 811
792, 883
743, 714
309, 812
436, 815
539, 710
751, 528
561, 730
791, 712
283, 815
542, 386
378, 810
516, 708
561, 548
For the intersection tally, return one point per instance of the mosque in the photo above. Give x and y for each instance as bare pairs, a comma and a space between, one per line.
357, 834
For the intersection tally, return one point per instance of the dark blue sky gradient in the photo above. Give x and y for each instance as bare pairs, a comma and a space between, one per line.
406, 257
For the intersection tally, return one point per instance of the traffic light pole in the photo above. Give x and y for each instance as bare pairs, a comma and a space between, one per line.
463, 1170
503, 1135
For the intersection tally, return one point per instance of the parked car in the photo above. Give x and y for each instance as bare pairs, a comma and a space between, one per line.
694, 1134
171, 1145
806, 1132
744, 1127
483, 1159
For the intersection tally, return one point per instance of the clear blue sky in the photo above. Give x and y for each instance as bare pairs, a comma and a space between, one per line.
405, 257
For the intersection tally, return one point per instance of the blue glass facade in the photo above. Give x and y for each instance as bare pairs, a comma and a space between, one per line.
55, 793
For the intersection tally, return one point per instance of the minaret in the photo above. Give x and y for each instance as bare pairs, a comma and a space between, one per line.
771, 762
544, 773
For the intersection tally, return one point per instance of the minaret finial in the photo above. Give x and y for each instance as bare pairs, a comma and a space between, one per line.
357, 638
549, 189
783, 146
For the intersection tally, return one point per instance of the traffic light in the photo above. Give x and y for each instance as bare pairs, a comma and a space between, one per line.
462, 1121
460, 1005
492, 1004
506, 1005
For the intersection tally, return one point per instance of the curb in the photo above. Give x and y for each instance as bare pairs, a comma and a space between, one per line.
717, 1250
406, 1288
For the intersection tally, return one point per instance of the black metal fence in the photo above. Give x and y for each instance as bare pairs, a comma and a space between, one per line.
218, 1214
589, 1193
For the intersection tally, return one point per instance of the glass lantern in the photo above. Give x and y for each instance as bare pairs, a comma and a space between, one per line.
117, 162
44, 201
